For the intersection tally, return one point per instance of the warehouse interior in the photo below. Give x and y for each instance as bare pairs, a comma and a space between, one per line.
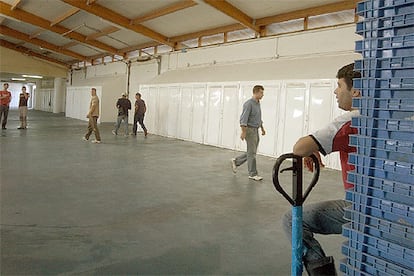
169, 204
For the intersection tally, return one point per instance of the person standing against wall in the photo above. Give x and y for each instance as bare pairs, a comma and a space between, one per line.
140, 109
93, 116
5, 99
250, 122
124, 105
23, 98
327, 217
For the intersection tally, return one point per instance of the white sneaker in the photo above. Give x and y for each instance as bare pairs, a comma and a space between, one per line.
84, 138
114, 132
96, 141
256, 178
233, 165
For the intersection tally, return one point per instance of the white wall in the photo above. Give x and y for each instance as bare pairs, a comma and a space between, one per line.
112, 78
332, 42
76, 97
111, 81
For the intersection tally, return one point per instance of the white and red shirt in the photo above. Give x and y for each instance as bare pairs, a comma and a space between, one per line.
335, 137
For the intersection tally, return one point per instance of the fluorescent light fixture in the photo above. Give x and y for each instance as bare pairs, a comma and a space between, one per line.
32, 76
18, 79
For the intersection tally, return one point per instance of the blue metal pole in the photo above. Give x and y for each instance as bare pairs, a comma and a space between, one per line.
297, 244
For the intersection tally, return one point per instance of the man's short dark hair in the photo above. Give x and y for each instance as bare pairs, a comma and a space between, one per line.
138, 94
257, 88
348, 74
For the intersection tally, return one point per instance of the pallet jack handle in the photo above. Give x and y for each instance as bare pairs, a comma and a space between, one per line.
296, 201
297, 198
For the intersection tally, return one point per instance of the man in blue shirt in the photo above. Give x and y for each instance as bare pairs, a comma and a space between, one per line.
250, 122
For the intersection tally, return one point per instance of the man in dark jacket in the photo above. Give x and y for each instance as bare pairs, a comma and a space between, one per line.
123, 104
140, 109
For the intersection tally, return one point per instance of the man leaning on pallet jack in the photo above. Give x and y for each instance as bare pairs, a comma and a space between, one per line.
327, 217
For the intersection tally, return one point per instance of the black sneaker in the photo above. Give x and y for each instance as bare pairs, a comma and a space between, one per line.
321, 267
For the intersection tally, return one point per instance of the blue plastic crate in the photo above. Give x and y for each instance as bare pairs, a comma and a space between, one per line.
350, 270
392, 32
367, 185
389, 114
385, 63
399, 121
387, 73
385, 154
399, 167
385, 43
388, 53
394, 83
385, 174
383, 144
386, 134
397, 254
385, 23
381, 208
387, 93
379, 4
363, 103
387, 230
375, 9
376, 266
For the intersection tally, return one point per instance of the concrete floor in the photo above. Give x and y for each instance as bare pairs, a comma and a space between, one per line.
136, 206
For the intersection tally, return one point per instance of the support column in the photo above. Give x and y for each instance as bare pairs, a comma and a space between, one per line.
59, 95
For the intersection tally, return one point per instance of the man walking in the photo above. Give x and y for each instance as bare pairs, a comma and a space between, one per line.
250, 122
5, 99
140, 109
124, 105
93, 116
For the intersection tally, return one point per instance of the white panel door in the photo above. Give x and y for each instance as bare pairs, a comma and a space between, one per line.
230, 122
214, 115
163, 111
322, 110
173, 110
246, 92
269, 106
294, 117
186, 113
69, 103
151, 115
320, 105
199, 104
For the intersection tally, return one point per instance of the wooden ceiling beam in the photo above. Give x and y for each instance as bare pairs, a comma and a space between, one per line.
103, 32
45, 24
4, 30
324, 9
118, 19
90, 2
225, 29
26, 51
164, 11
235, 13
15, 4
68, 45
36, 33
64, 16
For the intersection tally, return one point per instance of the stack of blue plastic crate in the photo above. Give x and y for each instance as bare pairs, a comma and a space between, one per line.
381, 228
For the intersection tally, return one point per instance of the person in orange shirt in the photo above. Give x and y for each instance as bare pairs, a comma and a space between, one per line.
5, 99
